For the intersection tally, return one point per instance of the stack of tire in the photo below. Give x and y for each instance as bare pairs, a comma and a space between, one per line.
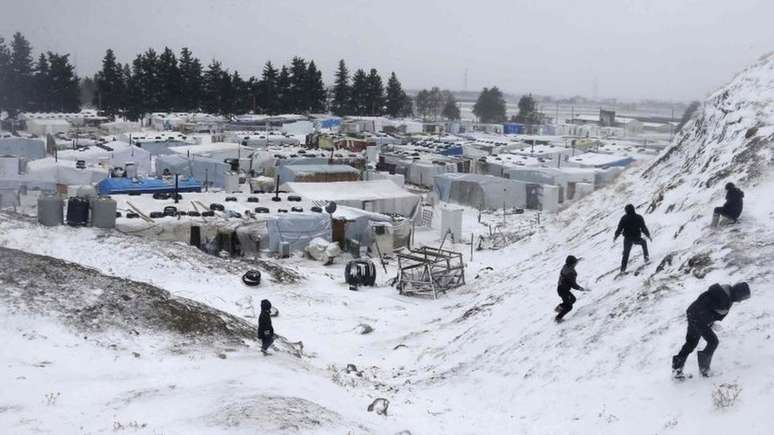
360, 273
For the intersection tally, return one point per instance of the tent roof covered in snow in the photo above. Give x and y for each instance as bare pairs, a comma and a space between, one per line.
316, 172
599, 160
381, 196
31, 149
480, 191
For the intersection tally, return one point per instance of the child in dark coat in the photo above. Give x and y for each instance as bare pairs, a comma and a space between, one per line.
265, 330
567, 281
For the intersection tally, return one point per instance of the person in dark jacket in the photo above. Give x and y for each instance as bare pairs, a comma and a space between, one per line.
632, 226
567, 281
265, 330
732, 209
711, 306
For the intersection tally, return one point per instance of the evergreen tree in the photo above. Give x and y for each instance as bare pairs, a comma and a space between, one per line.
375, 93
238, 96
5, 60
528, 113
423, 103
212, 99
359, 93
169, 81
315, 89
407, 108
135, 101
395, 101
40, 90
88, 91
284, 97
64, 91
298, 86
490, 106
111, 85
190, 81
19, 78
340, 105
450, 109
268, 97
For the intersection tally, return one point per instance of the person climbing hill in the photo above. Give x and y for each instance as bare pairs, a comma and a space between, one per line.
711, 306
265, 329
632, 226
567, 281
732, 209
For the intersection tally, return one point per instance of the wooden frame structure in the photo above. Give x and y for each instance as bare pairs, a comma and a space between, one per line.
428, 270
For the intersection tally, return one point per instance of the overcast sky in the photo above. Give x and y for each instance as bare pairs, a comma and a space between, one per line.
666, 49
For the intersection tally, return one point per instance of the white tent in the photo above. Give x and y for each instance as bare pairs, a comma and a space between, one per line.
111, 154
63, 172
381, 196
422, 173
480, 191
44, 126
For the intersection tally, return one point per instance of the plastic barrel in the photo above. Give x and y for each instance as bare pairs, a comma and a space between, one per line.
103, 214
50, 210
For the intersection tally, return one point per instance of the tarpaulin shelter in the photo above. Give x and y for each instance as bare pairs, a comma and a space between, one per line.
110, 186
208, 171
380, 196
480, 191
317, 173
30, 149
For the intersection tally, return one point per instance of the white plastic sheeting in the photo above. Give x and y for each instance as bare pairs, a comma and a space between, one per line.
63, 172
288, 173
30, 149
323, 250
297, 230
422, 173
202, 169
480, 191
380, 196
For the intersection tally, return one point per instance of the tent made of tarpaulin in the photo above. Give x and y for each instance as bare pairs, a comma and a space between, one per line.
65, 172
480, 191
112, 154
380, 196
215, 150
359, 223
11, 188
210, 172
297, 230
30, 149
422, 173
317, 173
111, 186
159, 148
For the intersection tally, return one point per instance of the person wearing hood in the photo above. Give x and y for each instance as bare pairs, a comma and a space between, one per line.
265, 330
710, 307
632, 226
732, 209
568, 280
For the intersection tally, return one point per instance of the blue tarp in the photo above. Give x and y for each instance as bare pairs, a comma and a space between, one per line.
110, 186
330, 122
513, 128
451, 151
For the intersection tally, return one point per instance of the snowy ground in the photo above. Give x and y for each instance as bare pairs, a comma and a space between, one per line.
487, 358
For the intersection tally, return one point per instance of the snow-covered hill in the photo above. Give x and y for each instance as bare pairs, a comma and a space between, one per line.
606, 369
486, 359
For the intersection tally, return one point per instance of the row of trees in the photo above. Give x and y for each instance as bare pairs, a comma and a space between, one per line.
366, 95
50, 84
434, 104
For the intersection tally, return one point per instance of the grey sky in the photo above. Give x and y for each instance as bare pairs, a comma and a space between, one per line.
668, 49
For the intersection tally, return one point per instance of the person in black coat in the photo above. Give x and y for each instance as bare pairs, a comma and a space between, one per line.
265, 330
632, 226
710, 307
567, 281
732, 209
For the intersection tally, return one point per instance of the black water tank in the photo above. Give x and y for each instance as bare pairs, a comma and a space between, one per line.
233, 163
77, 211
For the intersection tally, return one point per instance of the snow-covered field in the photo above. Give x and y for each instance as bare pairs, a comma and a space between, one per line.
487, 358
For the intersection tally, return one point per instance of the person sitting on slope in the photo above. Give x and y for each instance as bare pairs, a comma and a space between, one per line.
733, 206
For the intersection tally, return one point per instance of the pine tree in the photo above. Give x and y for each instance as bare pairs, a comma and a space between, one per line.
315, 88
298, 86
64, 91
190, 81
5, 60
490, 106
136, 106
19, 79
284, 97
268, 97
359, 93
407, 108
111, 86
341, 104
40, 91
212, 100
169, 81
396, 97
528, 113
88, 90
375, 97
237, 94
423, 103
450, 109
